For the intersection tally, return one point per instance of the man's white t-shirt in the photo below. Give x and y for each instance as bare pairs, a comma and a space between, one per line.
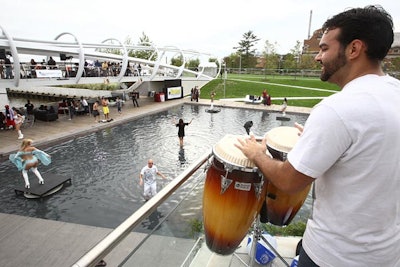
149, 174
351, 145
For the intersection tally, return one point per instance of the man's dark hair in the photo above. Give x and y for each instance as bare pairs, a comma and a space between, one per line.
372, 24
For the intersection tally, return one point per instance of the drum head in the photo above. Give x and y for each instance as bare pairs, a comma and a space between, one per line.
282, 138
225, 151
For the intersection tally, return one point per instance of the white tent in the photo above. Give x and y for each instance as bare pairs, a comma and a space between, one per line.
209, 68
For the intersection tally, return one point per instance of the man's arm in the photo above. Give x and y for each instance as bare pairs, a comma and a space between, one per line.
162, 175
140, 179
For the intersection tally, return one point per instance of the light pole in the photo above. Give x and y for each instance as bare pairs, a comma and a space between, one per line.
224, 65
280, 64
240, 63
265, 67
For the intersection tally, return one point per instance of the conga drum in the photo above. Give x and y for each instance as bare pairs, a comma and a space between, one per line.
282, 207
234, 192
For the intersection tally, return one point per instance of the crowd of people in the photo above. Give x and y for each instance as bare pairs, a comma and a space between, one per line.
12, 118
69, 69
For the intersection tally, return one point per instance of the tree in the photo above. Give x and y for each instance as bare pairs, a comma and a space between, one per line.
292, 59
115, 51
144, 41
129, 42
192, 64
230, 61
177, 61
296, 50
246, 50
307, 62
271, 58
143, 53
393, 66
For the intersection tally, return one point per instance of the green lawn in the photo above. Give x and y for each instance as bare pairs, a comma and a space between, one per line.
238, 86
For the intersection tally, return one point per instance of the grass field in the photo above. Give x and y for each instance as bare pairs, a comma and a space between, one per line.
238, 86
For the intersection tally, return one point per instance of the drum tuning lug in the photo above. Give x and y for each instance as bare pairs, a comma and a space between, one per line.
207, 166
258, 188
228, 168
225, 183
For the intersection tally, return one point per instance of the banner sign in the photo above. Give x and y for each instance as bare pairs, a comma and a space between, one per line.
48, 73
174, 92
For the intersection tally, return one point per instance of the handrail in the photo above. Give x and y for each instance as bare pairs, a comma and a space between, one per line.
101, 249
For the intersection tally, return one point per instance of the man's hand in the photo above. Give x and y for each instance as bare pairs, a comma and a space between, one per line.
299, 127
251, 148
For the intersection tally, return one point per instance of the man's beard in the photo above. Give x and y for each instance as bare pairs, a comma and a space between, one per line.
330, 68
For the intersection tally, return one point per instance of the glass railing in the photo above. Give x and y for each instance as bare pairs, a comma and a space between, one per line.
154, 238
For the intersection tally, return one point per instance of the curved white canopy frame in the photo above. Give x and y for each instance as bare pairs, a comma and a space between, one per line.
182, 67
81, 56
15, 56
124, 59
156, 63
201, 72
221, 62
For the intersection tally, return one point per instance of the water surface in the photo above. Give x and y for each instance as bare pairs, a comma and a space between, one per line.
104, 167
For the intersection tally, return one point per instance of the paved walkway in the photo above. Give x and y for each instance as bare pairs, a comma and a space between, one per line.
34, 242
49, 133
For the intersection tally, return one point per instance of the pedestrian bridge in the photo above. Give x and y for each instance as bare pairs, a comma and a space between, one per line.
77, 62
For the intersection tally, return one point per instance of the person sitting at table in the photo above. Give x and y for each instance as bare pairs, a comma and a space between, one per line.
51, 63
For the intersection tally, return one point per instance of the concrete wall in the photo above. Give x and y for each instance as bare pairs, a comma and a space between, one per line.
143, 89
158, 86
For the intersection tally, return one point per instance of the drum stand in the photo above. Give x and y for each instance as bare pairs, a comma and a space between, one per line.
257, 235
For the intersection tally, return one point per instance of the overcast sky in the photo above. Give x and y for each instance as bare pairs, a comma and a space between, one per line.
210, 26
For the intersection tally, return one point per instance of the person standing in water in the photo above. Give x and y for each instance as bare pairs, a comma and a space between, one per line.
212, 95
147, 179
181, 129
27, 158
284, 106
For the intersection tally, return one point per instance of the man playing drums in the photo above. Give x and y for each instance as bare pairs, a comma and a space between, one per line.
351, 152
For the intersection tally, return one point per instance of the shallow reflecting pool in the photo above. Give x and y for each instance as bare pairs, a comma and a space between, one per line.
104, 167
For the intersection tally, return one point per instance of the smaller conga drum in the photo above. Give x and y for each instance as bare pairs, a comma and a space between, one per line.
233, 194
282, 207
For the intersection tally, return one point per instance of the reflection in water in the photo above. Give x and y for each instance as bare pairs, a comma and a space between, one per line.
104, 168
195, 109
211, 125
182, 159
152, 221
264, 116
